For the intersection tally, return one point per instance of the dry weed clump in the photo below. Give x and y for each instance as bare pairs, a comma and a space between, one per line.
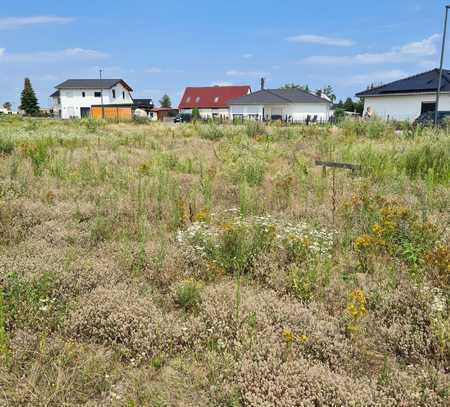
121, 318
274, 374
51, 371
406, 324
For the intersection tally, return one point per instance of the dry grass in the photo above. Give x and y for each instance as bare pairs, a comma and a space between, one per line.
202, 265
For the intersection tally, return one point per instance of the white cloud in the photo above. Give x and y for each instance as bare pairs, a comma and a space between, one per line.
405, 53
375, 77
318, 39
247, 56
222, 83
16, 22
52, 56
234, 72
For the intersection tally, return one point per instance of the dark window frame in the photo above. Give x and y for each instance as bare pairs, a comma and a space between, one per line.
114, 93
83, 94
98, 94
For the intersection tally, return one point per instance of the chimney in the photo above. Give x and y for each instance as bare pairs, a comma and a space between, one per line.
263, 82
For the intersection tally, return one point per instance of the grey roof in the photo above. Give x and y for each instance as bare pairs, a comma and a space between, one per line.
278, 96
423, 82
55, 94
92, 84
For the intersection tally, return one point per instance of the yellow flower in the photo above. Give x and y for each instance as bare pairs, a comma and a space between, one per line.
363, 242
303, 338
288, 336
377, 229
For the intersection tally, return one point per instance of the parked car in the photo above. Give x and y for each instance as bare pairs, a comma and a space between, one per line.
183, 118
427, 119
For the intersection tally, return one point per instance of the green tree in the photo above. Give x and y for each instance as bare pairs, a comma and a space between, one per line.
196, 114
359, 106
296, 86
349, 106
28, 99
328, 91
165, 101
7, 106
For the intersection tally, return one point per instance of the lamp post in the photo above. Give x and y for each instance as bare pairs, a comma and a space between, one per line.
438, 92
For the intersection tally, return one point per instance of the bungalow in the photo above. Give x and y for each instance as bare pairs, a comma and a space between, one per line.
281, 104
75, 98
211, 101
408, 98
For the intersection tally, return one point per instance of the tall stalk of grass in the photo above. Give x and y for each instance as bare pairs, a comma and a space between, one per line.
3, 334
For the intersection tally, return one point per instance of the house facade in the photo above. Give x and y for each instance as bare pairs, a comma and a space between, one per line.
75, 98
408, 98
293, 105
212, 101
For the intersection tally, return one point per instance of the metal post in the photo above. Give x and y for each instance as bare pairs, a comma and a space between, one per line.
101, 94
438, 91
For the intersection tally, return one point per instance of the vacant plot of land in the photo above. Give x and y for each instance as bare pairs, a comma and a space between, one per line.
206, 265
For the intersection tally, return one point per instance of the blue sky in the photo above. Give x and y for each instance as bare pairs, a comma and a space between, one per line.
162, 47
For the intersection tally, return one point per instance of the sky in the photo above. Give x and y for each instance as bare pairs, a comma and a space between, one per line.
162, 47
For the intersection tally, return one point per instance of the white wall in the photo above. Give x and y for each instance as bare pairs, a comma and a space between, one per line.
208, 113
297, 111
72, 99
403, 107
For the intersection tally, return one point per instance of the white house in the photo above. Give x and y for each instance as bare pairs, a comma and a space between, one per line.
408, 98
211, 101
74, 98
281, 104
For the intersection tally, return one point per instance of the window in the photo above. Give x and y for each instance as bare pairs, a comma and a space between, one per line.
188, 99
114, 93
97, 94
216, 99
428, 107
123, 95
83, 94
197, 99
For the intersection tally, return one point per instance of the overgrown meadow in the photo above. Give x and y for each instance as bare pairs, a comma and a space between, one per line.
207, 265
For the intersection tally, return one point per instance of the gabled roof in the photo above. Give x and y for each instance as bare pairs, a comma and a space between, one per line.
92, 84
423, 82
277, 97
55, 94
212, 96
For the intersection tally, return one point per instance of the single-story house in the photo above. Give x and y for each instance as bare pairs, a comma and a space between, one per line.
407, 99
281, 104
162, 113
211, 101
74, 98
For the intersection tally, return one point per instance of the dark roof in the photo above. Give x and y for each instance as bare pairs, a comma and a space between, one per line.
423, 82
55, 94
143, 102
92, 84
212, 96
278, 96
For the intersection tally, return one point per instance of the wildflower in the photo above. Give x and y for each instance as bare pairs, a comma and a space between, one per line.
288, 336
377, 230
363, 242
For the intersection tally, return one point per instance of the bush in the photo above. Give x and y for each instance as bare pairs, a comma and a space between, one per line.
6, 146
188, 295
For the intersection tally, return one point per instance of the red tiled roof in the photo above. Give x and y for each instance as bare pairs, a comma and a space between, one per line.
211, 97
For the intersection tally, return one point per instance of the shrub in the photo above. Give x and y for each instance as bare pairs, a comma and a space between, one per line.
188, 295
121, 318
6, 146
